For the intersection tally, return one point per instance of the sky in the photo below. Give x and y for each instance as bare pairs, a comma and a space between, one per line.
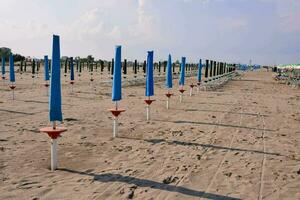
266, 32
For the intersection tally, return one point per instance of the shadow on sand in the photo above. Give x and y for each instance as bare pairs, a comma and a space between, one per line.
214, 124
176, 142
221, 111
16, 112
110, 177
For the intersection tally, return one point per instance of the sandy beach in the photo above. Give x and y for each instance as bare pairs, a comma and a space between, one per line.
240, 141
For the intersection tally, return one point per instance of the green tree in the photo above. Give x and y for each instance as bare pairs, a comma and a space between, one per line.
90, 58
18, 57
5, 52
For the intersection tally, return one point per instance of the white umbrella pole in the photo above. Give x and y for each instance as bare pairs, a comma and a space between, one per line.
180, 98
148, 112
115, 127
53, 154
191, 91
168, 102
115, 123
168, 99
54, 151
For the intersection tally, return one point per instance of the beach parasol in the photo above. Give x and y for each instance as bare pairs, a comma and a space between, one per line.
46, 73
33, 71
182, 78
55, 112
12, 75
116, 88
169, 81
72, 78
149, 83
199, 74
3, 69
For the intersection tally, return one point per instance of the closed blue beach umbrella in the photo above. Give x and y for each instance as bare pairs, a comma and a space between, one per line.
169, 83
72, 69
182, 72
117, 81
3, 67
11, 69
199, 71
46, 68
55, 90
149, 75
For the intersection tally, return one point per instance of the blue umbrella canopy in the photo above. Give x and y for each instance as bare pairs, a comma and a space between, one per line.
182, 71
72, 69
3, 66
199, 71
11, 68
117, 81
46, 68
149, 77
55, 87
169, 83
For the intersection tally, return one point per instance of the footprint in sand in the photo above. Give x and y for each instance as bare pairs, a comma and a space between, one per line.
170, 179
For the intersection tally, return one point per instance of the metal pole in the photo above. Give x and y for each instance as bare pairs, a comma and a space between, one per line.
148, 112
168, 99
53, 151
168, 102
191, 91
53, 154
180, 99
115, 121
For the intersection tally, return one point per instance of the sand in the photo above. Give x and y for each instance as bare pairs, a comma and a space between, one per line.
240, 141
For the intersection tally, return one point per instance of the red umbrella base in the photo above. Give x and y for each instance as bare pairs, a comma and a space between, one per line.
12, 87
169, 95
181, 90
115, 112
53, 133
149, 101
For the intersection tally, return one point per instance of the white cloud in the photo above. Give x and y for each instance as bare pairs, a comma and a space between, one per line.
145, 26
182, 27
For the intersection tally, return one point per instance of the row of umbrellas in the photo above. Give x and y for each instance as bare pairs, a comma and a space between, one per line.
55, 106
116, 89
35, 66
